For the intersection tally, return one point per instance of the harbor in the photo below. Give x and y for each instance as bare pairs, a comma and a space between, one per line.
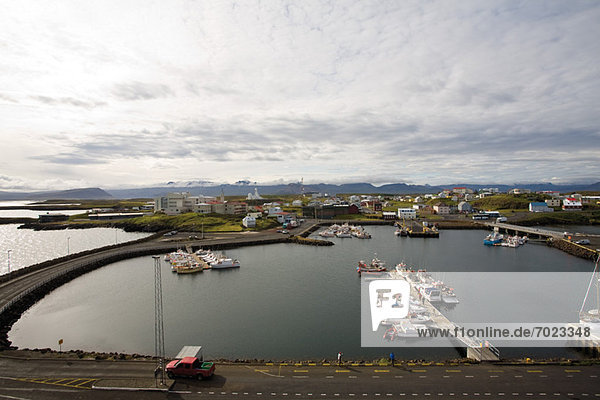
270, 276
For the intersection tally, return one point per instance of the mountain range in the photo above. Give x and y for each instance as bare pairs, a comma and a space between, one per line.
242, 188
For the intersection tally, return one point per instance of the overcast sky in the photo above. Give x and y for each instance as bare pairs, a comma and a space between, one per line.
128, 93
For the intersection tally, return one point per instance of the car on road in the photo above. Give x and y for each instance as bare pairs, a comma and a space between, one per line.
583, 241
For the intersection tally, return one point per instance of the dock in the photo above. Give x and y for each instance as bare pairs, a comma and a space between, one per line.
197, 258
477, 350
415, 229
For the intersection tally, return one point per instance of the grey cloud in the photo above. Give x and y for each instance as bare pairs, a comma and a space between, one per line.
141, 91
8, 98
68, 101
68, 159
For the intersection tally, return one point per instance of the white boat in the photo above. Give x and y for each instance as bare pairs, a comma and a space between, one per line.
433, 294
223, 263
419, 319
343, 235
449, 297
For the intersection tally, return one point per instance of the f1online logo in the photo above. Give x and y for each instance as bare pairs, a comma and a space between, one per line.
389, 299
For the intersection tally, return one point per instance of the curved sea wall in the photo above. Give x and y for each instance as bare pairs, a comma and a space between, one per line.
36, 267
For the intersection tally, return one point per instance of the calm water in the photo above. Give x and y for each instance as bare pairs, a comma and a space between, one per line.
286, 301
22, 213
31, 247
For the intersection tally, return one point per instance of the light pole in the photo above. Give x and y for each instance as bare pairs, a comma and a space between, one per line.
8, 253
68, 239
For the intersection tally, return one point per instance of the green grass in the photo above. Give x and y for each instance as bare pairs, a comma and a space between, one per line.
508, 201
561, 218
395, 205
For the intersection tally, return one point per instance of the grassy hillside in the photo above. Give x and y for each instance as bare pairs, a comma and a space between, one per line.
508, 201
591, 217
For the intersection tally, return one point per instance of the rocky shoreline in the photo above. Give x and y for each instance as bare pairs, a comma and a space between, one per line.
83, 355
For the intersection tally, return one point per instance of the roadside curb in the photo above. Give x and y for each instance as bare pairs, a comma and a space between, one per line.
135, 389
128, 389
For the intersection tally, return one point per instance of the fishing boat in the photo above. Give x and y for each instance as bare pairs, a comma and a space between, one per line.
493, 238
449, 297
376, 266
192, 269
223, 263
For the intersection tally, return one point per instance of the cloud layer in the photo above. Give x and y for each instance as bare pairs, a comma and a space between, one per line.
424, 92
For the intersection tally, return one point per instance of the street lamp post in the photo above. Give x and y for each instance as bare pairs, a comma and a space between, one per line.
8, 253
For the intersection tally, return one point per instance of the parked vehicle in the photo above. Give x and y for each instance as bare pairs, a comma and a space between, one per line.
190, 367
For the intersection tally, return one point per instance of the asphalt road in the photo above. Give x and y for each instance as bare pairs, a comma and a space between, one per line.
51, 379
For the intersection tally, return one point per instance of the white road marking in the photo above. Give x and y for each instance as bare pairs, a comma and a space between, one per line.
5, 396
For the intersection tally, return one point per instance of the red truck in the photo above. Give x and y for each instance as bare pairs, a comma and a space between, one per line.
190, 367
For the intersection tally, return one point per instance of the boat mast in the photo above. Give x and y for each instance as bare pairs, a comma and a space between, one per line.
594, 273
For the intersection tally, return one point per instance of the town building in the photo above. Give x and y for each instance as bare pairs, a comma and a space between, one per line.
329, 211
465, 207
462, 190
552, 193
249, 221
254, 196
407, 213
374, 205
554, 202
590, 199
519, 191
441, 209
539, 206
571, 204
389, 215
52, 217
179, 202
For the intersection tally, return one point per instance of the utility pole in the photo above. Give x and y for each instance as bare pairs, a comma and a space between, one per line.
159, 332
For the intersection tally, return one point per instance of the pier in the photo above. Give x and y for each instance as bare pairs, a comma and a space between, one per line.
475, 349
552, 238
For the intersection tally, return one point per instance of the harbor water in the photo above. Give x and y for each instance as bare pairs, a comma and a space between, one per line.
286, 301
28, 247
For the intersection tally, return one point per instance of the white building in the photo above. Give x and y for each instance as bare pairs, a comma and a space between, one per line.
254, 196
407, 213
571, 204
519, 191
297, 203
539, 207
249, 221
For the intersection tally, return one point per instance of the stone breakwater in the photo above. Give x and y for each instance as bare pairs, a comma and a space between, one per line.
572, 248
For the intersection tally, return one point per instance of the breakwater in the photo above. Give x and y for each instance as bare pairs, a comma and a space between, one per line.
572, 248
